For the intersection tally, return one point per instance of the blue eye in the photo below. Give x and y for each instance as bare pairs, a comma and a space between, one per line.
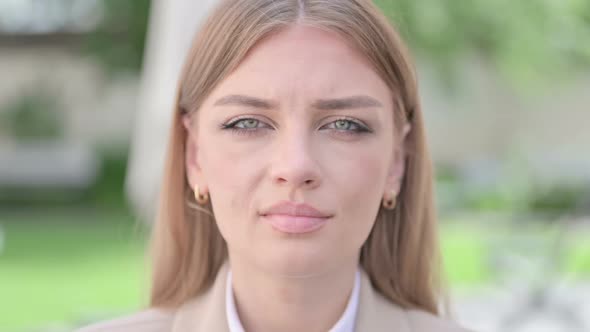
246, 123
243, 126
351, 126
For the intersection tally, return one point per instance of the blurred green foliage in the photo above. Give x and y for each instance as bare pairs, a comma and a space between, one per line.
33, 115
109, 191
120, 38
511, 188
528, 42
561, 198
554, 201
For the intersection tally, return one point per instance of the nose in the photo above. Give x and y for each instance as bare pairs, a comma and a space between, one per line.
294, 163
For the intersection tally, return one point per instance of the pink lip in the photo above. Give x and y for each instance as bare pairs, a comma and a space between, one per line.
294, 218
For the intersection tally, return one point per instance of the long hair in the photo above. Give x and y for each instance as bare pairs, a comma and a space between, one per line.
401, 254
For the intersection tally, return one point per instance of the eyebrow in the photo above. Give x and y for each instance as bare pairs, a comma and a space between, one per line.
346, 103
241, 100
352, 102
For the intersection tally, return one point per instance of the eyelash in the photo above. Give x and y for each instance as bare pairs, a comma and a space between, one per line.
361, 129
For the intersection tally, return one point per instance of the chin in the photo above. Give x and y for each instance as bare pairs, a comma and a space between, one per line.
295, 260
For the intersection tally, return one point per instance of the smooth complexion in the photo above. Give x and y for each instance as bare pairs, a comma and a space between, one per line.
304, 118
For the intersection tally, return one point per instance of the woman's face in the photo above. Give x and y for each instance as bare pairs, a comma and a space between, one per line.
312, 123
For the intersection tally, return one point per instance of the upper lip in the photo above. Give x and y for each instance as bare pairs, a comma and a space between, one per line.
295, 209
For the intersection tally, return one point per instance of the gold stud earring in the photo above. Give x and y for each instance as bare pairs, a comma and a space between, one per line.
390, 203
201, 199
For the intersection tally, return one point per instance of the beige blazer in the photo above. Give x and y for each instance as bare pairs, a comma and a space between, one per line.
206, 313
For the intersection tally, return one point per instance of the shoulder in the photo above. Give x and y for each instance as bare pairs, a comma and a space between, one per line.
149, 320
420, 320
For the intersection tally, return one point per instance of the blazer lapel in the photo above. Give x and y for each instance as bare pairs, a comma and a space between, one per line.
376, 313
206, 312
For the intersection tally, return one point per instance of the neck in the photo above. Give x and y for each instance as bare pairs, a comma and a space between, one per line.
270, 302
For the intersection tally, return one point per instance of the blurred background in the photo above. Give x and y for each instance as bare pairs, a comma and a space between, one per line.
86, 89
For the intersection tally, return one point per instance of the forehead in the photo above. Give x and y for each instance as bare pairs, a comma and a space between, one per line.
304, 61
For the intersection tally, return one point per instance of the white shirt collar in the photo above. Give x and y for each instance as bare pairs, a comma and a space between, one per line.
344, 324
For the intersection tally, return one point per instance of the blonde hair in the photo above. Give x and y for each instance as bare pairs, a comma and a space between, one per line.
401, 254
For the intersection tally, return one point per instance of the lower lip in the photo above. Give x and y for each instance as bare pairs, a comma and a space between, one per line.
293, 224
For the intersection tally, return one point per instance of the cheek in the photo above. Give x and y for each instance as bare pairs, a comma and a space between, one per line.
361, 176
231, 175
359, 188
225, 165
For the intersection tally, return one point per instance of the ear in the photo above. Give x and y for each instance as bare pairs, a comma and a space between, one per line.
194, 172
397, 170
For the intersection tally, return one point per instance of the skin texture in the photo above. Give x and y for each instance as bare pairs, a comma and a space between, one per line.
293, 147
